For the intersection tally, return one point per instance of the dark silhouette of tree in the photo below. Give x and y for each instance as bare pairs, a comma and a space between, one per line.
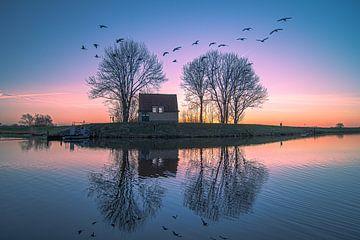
116, 112
247, 92
43, 120
195, 83
227, 81
124, 199
36, 120
126, 69
221, 70
27, 119
226, 186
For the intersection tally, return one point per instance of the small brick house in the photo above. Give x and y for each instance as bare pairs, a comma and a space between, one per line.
158, 107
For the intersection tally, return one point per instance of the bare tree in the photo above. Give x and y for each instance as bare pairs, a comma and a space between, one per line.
36, 120
190, 114
126, 70
195, 83
115, 110
230, 82
27, 119
43, 120
220, 72
247, 92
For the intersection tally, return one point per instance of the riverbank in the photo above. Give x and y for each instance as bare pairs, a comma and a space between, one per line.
24, 131
177, 130
197, 130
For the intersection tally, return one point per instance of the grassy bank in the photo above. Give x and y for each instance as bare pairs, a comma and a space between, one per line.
180, 130
196, 130
23, 131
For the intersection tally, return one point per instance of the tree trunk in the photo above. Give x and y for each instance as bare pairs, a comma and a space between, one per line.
201, 109
235, 113
125, 111
226, 112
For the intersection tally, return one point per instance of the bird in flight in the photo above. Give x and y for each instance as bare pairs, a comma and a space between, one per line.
165, 53
93, 223
241, 38
222, 237
174, 61
195, 43
247, 29
175, 216
165, 228
97, 56
249, 64
119, 40
176, 234
276, 30
176, 49
212, 43
262, 40
93, 234
113, 224
83, 47
203, 58
79, 232
103, 26
96, 45
222, 45
203, 222
285, 19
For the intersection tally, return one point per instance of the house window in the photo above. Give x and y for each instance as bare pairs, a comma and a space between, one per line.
154, 109
161, 109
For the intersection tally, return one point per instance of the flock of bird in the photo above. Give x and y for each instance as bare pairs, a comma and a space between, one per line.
285, 19
204, 223
176, 234
197, 42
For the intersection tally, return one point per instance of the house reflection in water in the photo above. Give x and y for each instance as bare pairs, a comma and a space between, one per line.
158, 162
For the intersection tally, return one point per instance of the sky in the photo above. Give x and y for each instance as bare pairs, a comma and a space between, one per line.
311, 69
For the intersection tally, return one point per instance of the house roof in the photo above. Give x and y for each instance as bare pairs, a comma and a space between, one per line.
168, 101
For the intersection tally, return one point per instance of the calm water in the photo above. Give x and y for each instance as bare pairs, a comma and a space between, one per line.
294, 189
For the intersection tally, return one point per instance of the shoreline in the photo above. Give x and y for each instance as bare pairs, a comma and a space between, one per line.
166, 130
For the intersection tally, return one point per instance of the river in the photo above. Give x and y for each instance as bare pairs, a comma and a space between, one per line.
304, 188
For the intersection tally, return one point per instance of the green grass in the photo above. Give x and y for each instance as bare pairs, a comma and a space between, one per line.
174, 130
178, 130
24, 130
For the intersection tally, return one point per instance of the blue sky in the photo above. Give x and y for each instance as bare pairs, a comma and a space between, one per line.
317, 53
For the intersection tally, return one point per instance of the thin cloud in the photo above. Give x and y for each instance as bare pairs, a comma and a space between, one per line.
28, 95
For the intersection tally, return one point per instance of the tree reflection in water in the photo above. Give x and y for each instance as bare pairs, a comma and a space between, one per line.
125, 199
37, 144
222, 186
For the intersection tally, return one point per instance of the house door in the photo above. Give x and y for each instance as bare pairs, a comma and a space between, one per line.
145, 118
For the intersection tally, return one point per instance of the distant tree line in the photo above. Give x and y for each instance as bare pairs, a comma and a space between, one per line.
218, 86
36, 120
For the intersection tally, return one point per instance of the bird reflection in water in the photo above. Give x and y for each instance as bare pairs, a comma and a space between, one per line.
221, 182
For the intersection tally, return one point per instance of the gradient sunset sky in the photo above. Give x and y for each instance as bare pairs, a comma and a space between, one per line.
311, 69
